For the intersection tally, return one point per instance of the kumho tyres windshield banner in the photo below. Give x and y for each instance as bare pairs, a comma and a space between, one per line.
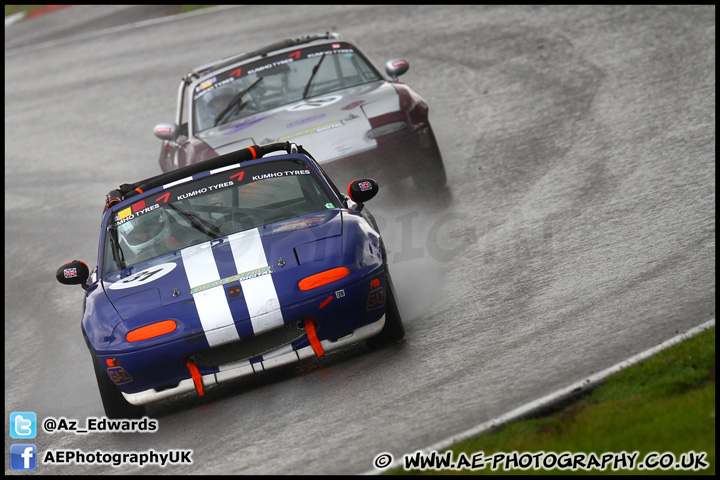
267, 64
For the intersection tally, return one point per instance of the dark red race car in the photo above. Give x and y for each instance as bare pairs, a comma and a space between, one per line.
319, 91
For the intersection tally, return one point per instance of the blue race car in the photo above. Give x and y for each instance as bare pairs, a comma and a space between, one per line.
229, 267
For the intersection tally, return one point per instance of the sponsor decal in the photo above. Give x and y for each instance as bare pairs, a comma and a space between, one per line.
284, 173
319, 128
376, 299
297, 224
204, 190
201, 92
123, 214
352, 105
306, 120
331, 52
133, 211
138, 206
144, 277
244, 125
205, 84
119, 375
269, 65
238, 277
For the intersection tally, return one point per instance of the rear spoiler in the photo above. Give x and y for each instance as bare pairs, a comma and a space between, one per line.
128, 190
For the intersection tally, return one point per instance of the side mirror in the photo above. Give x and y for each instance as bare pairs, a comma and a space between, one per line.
396, 67
166, 131
73, 273
362, 190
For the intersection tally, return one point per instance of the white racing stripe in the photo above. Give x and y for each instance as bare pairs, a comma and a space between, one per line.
259, 292
212, 305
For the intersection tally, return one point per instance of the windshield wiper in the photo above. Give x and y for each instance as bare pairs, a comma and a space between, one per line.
199, 223
235, 101
312, 75
115, 245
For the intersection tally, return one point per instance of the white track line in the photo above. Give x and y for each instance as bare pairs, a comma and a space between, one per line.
553, 398
16, 17
121, 28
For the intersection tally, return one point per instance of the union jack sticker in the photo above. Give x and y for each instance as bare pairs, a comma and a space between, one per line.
70, 272
365, 186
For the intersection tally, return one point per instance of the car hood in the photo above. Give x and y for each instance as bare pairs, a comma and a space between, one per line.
331, 125
169, 287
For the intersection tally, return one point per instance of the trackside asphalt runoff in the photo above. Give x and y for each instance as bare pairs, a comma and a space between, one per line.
654, 460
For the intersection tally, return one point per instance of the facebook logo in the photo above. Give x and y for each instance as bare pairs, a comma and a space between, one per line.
23, 456
23, 425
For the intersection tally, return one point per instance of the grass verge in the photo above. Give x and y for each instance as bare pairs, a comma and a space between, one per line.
661, 411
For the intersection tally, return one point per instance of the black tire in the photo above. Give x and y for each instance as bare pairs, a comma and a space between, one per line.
432, 174
113, 401
393, 331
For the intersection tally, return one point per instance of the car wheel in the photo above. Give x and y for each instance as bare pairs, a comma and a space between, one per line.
433, 172
113, 401
393, 331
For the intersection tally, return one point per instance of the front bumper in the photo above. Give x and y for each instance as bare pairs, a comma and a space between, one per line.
281, 356
337, 312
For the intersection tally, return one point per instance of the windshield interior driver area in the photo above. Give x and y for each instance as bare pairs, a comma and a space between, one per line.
212, 207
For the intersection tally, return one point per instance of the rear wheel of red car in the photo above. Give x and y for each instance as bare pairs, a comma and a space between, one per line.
432, 172
393, 331
113, 401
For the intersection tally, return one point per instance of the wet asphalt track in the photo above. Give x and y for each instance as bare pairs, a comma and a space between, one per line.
577, 229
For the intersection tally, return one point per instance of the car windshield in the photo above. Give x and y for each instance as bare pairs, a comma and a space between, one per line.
274, 81
210, 207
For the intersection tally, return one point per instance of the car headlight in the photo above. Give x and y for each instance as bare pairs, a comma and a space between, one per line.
387, 129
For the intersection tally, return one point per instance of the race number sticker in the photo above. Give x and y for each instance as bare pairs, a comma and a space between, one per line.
142, 278
315, 103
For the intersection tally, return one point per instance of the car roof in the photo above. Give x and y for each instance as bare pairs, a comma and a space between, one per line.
314, 39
